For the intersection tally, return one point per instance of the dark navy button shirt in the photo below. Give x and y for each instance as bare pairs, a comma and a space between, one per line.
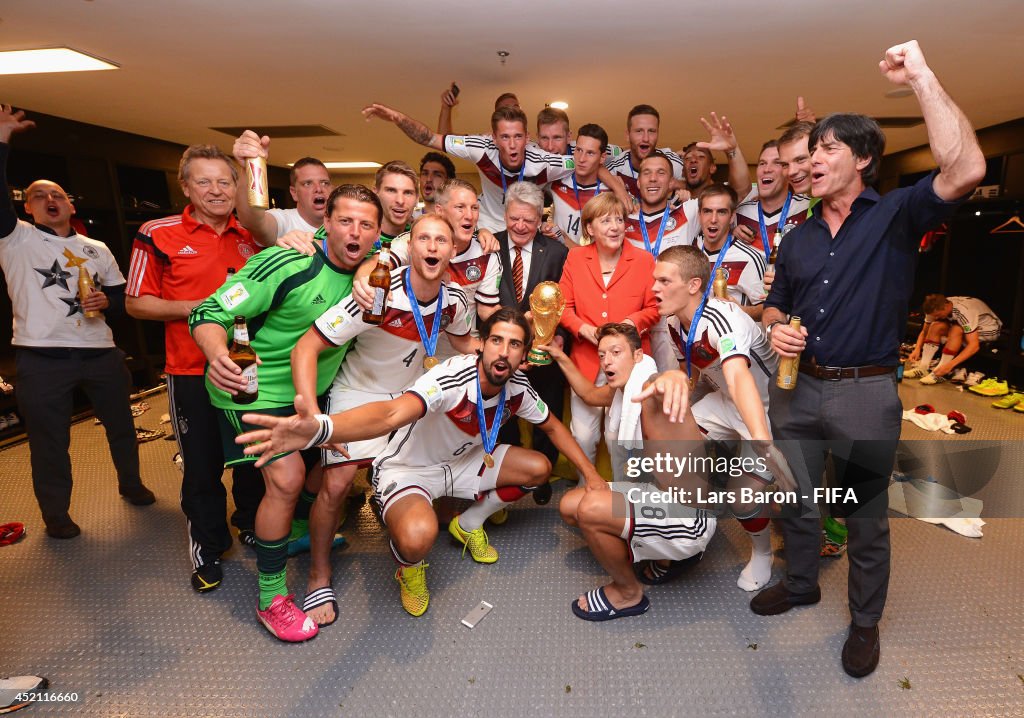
852, 291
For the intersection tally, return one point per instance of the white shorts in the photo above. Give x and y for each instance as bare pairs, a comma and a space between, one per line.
465, 478
655, 530
720, 420
341, 397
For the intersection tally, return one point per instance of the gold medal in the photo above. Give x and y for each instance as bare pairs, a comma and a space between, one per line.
694, 378
488, 461
430, 362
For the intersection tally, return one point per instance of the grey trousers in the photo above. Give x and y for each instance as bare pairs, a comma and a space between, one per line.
858, 421
45, 387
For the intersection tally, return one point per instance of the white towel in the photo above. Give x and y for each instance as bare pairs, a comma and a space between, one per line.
930, 422
937, 504
624, 414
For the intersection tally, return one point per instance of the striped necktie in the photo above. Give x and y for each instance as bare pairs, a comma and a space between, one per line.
517, 274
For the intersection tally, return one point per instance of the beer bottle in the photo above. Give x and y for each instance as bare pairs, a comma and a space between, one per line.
789, 367
721, 284
243, 355
85, 286
256, 178
380, 282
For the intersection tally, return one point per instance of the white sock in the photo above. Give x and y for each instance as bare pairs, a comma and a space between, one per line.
758, 571
473, 517
927, 354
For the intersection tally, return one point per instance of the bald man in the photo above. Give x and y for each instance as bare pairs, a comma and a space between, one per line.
62, 340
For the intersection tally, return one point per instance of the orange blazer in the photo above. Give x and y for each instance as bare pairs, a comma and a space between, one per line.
587, 301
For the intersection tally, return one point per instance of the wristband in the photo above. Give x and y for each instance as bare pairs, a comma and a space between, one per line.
730, 153
323, 433
768, 331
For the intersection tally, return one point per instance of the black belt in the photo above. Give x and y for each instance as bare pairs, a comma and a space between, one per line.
835, 373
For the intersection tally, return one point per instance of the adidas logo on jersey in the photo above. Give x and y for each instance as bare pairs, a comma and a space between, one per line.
186, 250
396, 322
319, 299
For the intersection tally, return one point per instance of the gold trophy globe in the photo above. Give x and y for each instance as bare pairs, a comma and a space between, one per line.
546, 306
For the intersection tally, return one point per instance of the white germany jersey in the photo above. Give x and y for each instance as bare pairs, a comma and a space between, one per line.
682, 226
449, 425
726, 331
470, 269
388, 358
744, 266
289, 219
42, 270
540, 168
974, 315
567, 201
622, 165
746, 215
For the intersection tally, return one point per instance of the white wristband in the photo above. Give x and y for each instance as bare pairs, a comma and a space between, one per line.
323, 434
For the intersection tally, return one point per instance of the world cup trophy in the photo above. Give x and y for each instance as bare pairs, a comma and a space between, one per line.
546, 306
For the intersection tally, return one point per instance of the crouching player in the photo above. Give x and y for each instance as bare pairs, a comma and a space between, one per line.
444, 444
619, 526
736, 361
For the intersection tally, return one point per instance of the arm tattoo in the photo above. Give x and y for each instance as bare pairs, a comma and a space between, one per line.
416, 131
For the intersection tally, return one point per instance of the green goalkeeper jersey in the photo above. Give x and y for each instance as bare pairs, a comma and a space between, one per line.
280, 292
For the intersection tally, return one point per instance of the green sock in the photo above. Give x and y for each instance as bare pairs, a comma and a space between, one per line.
271, 561
300, 527
835, 531
300, 519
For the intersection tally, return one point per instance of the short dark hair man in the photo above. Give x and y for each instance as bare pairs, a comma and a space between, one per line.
848, 275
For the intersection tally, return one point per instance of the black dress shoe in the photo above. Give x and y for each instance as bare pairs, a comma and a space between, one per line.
138, 495
542, 494
861, 651
63, 530
778, 599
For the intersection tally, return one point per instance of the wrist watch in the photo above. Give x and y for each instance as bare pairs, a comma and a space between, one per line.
768, 330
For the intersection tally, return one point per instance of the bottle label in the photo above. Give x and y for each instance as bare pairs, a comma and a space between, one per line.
242, 335
379, 295
251, 382
385, 256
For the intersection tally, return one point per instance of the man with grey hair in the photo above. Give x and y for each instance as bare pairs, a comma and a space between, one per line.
176, 263
529, 258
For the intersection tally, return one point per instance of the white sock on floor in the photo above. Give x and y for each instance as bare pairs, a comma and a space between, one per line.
758, 571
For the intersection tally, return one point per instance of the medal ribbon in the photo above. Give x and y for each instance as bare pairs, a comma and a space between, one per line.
576, 189
489, 436
504, 185
429, 343
661, 232
778, 227
692, 334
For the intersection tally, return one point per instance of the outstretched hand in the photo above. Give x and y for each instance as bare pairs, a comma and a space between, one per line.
722, 136
280, 434
12, 121
904, 63
382, 112
674, 388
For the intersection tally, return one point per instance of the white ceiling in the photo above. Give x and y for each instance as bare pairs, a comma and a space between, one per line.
189, 65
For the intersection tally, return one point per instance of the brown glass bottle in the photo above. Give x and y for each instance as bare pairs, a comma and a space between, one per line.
789, 368
243, 355
380, 283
